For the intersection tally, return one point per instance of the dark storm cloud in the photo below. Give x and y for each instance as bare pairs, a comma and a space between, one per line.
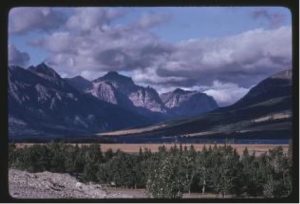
16, 57
252, 55
113, 48
23, 20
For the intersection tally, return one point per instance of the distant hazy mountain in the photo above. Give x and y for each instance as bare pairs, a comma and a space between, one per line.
188, 103
79, 83
41, 103
265, 112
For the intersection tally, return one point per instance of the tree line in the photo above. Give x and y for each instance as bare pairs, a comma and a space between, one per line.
166, 173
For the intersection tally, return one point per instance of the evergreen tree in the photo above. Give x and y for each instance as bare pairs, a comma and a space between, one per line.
279, 178
225, 176
108, 154
57, 162
249, 175
93, 157
204, 169
11, 154
166, 181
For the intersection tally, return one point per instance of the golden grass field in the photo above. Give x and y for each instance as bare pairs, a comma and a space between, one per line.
133, 148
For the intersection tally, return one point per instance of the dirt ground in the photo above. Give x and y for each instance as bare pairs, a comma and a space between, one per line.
23, 184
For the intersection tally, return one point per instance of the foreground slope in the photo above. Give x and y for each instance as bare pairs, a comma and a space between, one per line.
264, 113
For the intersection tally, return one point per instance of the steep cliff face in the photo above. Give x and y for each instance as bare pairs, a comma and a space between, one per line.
121, 90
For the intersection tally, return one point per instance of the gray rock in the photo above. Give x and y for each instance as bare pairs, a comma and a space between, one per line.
121, 90
23, 184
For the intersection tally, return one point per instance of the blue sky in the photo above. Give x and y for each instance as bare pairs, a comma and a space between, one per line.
162, 47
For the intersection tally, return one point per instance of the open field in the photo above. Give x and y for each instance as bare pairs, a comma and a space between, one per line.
133, 148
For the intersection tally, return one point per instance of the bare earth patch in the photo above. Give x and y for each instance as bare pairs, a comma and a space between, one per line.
23, 184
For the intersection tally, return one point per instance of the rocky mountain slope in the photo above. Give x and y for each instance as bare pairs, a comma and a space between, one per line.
121, 90
79, 83
41, 103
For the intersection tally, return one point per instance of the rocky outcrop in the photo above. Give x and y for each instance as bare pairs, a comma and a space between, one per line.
43, 185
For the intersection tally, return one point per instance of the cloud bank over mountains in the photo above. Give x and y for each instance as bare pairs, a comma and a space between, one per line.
92, 41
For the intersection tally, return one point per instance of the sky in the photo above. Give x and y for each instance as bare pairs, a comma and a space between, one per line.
221, 51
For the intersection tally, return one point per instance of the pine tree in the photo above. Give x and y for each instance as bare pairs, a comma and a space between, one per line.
93, 157
11, 154
57, 162
278, 183
225, 175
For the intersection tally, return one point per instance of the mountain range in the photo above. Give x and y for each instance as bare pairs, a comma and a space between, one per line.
122, 91
264, 113
43, 105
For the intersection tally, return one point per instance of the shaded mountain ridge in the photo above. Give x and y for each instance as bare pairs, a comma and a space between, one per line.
43, 104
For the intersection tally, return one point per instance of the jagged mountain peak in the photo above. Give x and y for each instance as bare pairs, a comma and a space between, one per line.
80, 83
112, 74
11, 67
178, 90
51, 107
115, 77
79, 77
43, 69
182, 91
